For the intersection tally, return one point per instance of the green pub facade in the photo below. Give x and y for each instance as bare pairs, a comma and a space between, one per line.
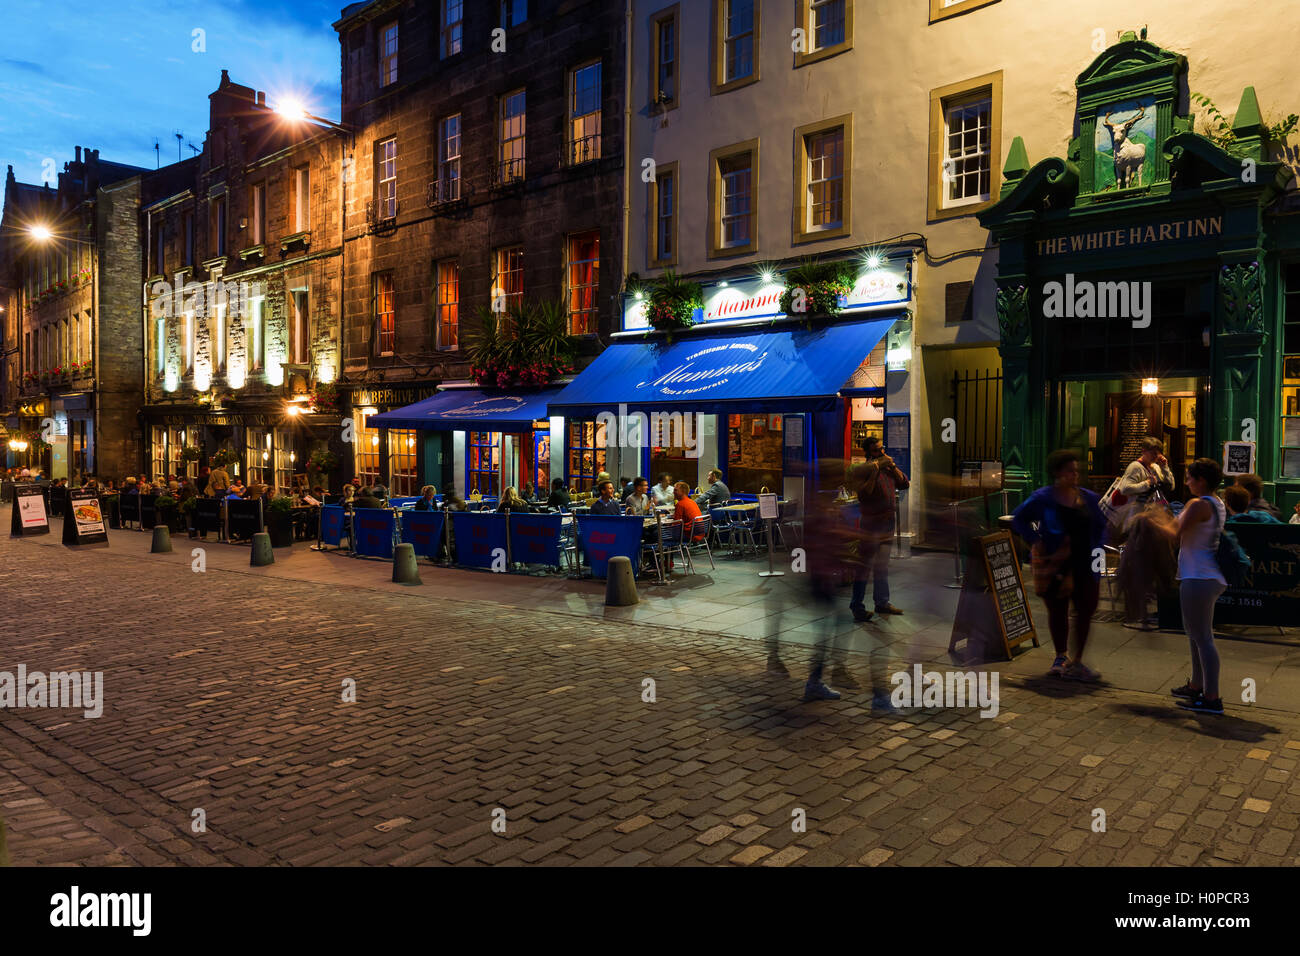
1149, 284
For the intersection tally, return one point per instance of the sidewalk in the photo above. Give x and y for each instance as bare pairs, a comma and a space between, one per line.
733, 601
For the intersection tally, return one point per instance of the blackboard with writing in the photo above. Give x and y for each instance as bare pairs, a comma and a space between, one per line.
1133, 427
992, 611
1004, 578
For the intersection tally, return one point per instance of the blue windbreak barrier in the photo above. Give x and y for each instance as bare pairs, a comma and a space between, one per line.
602, 537
424, 530
535, 539
478, 535
331, 525
786, 370
471, 409
372, 531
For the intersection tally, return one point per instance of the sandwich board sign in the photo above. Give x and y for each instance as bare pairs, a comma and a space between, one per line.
29, 515
83, 522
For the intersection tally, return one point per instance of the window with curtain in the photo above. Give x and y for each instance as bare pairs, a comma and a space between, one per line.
385, 314
582, 282
584, 113
448, 293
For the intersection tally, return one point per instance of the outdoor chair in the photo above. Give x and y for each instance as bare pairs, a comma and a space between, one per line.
696, 544
670, 542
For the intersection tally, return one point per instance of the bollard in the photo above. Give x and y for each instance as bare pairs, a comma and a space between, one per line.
162, 540
405, 570
262, 554
620, 585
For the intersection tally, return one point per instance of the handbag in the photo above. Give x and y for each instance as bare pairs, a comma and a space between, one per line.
1232, 559
1048, 570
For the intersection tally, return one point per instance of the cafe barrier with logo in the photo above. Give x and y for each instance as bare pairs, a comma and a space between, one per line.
372, 531
332, 524
244, 519
1270, 594
207, 515
602, 537
535, 539
423, 530
480, 538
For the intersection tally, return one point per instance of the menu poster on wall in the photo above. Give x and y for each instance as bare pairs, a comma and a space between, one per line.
84, 522
794, 432
29, 516
1238, 457
1291, 432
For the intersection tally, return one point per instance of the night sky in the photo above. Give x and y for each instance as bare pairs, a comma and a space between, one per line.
116, 76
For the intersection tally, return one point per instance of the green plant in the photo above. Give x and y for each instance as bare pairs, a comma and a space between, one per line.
671, 301
186, 505
1218, 128
815, 288
280, 504
322, 460
224, 457
189, 453
164, 501
529, 345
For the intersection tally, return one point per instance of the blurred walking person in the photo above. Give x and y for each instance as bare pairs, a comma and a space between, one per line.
878, 484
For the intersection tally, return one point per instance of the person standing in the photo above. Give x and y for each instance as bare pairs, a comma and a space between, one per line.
218, 482
879, 482
1064, 525
1200, 584
1146, 477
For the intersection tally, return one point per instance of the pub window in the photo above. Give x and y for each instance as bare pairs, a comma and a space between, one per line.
663, 76
158, 452
1290, 450
283, 456
735, 53
584, 113
663, 228
823, 188
583, 280
731, 199
367, 451
965, 141
448, 285
385, 314
587, 454
453, 27
508, 279
302, 199
828, 26
388, 54
401, 462
258, 451
512, 137
484, 462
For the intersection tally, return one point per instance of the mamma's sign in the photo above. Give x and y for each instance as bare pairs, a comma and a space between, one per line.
1175, 230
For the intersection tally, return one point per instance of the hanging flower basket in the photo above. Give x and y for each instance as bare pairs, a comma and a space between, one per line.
531, 347
671, 302
817, 290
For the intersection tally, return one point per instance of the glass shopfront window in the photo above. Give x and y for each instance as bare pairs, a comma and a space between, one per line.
587, 454
257, 457
367, 450
1289, 463
484, 462
402, 472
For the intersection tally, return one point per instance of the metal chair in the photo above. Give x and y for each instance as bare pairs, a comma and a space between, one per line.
671, 541
696, 544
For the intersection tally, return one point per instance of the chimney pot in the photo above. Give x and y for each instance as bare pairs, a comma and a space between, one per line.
261, 98
78, 154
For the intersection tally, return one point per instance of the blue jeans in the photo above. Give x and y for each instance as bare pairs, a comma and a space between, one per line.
875, 561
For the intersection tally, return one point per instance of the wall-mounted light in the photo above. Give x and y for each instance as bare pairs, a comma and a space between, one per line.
374, 440
639, 296
1150, 386
266, 455
410, 443
292, 409
293, 456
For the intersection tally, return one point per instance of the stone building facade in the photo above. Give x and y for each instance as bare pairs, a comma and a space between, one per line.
488, 165
242, 292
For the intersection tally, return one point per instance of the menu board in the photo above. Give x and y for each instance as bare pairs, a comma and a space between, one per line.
1133, 427
1238, 457
84, 521
1004, 579
767, 506
993, 613
29, 515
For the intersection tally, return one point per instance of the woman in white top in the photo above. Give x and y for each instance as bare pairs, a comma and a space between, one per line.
1200, 584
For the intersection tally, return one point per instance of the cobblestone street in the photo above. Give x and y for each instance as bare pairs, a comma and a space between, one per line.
223, 693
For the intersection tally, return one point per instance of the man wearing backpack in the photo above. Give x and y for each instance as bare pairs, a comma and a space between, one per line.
1201, 581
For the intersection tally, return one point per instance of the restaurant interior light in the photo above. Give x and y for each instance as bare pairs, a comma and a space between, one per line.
374, 440
265, 455
1150, 386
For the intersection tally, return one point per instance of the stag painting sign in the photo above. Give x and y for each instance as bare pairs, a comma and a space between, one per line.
1125, 145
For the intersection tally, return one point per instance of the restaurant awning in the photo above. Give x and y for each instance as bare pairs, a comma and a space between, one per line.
778, 370
471, 409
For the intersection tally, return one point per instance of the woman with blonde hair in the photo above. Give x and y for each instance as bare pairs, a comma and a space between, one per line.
511, 501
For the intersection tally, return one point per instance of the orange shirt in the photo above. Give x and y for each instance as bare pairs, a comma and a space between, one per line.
686, 511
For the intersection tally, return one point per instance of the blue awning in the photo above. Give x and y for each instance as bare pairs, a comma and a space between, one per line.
786, 370
471, 409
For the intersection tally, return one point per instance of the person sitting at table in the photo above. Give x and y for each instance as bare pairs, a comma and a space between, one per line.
637, 500
428, 499
369, 498
380, 492
686, 510
511, 501
606, 504
309, 499
1243, 510
527, 492
559, 496
717, 493
235, 491
349, 496
663, 491
130, 486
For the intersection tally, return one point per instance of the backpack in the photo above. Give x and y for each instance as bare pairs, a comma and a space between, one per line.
1233, 561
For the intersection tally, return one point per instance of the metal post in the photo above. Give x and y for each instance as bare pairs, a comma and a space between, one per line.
769, 573
959, 577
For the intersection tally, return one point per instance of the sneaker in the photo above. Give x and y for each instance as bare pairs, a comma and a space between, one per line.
1081, 672
842, 677
1203, 706
1186, 692
816, 690
1058, 666
887, 609
881, 702
775, 666
861, 614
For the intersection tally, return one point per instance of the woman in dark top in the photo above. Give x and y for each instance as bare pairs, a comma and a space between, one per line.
511, 501
428, 499
559, 498
1066, 527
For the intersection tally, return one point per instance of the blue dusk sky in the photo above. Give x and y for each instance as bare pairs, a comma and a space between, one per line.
116, 75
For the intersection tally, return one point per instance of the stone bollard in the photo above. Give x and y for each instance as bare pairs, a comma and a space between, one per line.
162, 540
262, 554
620, 585
405, 570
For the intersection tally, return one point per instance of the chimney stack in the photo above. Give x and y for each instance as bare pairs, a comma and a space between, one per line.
78, 154
261, 98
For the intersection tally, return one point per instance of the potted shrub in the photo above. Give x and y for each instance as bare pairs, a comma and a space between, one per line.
224, 458
671, 302
169, 513
817, 290
186, 512
279, 521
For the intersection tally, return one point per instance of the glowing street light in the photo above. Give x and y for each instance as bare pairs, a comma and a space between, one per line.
40, 233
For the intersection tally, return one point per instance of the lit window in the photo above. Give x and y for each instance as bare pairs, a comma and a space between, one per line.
402, 472
302, 199
484, 465
388, 54
448, 304
508, 279
826, 179
587, 453
584, 113
385, 314
511, 160
386, 176
583, 281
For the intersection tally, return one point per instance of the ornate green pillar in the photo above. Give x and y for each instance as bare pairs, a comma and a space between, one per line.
1021, 411
1239, 378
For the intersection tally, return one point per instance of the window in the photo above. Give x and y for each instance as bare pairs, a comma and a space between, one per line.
511, 165
828, 26
449, 159
258, 450
822, 196
385, 314
584, 113
386, 178
448, 304
736, 35
453, 27
582, 281
388, 54
587, 454
367, 447
219, 225
160, 345
942, 9
159, 247
1289, 466
256, 337
513, 12
484, 462
663, 220
219, 339
188, 344
731, 199
258, 214
508, 279
402, 475
965, 142
187, 228
300, 328
663, 60
302, 199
